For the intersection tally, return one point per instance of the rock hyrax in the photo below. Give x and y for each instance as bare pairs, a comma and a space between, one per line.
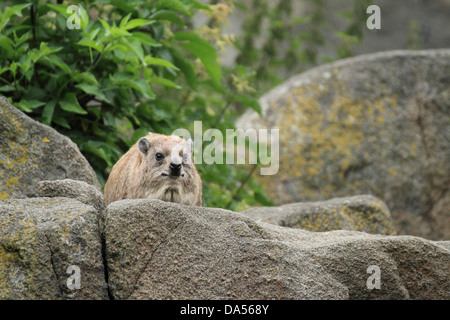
156, 167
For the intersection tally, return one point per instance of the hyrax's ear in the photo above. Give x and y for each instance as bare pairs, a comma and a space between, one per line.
190, 145
143, 145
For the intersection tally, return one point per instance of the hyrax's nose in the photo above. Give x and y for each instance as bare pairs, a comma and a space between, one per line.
175, 166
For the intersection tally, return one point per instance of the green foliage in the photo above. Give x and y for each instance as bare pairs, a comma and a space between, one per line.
133, 66
136, 66
413, 35
291, 43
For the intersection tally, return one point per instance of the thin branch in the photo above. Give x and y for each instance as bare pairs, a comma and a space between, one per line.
243, 183
33, 23
184, 100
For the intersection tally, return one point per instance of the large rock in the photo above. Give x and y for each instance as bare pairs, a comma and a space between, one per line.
40, 238
359, 213
31, 152
375, 124
73, 189
161, 250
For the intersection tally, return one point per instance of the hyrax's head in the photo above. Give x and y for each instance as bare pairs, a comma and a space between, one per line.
167, 157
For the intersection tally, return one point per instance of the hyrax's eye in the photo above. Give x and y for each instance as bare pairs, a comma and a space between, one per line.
159, 156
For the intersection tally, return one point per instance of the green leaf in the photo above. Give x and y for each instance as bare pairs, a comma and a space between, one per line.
20, 28
135, 47
57, 61
7, 44
168, 16
44, 50
119, 77
124, 21
125, 6
100, 149
91, 43
165, 82
61, 122
138, 133
186, 68
158, 31
11, 11
93, 33
15, 10
29, 105
18, 41
105, 25
34, 55
160, 62
204, 51
137, 23
140, 85
4, 69
47, 112
347, 37
13, 68
70, 104
60, 8
25, 63
84, 18
115, 31
196, 4
108, 119
159, 113
174, 5
125, 79
86, 77
7, 88
145, 39
93, 90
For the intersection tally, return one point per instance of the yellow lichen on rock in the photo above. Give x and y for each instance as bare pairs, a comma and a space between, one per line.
31, 151
4, 195
12, 252
332, 132
338, 133
15, 156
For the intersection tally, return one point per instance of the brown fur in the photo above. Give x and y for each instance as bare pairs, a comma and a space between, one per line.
138, 174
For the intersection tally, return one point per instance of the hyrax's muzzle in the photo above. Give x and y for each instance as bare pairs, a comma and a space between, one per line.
175, 169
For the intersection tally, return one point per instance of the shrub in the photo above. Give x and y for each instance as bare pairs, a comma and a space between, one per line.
277, 43
133, 66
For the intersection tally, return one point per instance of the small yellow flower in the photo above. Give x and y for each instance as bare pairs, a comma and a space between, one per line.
241, 85
220, 12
